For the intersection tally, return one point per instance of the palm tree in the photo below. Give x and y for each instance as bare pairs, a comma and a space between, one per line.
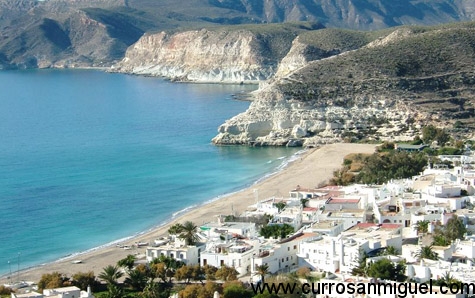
262, 270
188, 233
114, 291
111, 274
426, 252
176, 229
127, 262
390, 251
422, 226
280, 206
137, 279
153, 290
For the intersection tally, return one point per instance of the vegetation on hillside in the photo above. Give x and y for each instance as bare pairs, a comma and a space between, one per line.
379, 167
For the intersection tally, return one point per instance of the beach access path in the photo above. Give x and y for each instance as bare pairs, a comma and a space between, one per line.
309, 170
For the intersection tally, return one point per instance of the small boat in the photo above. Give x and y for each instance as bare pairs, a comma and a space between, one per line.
76, 262
139, 244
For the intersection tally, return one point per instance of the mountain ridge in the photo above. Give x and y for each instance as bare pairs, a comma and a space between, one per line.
100, 31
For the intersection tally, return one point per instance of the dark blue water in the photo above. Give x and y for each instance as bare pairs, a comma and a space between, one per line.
88, 157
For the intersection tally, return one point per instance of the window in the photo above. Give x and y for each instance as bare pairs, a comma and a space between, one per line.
205, 262
295, 246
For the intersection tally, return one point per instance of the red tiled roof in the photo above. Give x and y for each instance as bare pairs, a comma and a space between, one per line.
310, 209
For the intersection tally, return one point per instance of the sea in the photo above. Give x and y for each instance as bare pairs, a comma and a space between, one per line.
89, 158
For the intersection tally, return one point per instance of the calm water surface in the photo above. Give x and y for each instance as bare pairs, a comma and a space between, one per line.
87, 158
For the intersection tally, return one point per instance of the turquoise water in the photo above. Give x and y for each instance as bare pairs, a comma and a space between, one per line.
88, 157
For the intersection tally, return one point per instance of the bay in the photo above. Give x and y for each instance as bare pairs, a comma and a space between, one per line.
88, 157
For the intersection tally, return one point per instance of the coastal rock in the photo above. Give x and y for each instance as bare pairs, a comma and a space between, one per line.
298, 56
386, 89
219, 55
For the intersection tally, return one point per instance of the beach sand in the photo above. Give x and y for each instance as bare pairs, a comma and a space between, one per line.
308, 170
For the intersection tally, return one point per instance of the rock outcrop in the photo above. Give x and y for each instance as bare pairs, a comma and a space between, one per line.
274, 119
385, 90
200, 56
224, 55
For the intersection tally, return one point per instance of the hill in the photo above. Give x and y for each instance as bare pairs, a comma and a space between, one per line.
382, 85
60, 33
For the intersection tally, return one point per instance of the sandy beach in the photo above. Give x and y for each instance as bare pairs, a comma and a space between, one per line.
309, 170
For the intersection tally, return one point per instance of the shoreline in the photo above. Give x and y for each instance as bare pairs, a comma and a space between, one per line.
307, 168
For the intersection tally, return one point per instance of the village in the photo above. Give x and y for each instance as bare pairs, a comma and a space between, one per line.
337, 233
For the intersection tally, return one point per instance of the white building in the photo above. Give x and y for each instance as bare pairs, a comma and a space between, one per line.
64, 292
280, 256
216, 229
189, 254
341, 254
236, 254
326, 227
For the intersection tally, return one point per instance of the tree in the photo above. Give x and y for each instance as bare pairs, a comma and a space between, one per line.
422, 226
165, 267
442, 137
429, 133
454, 229
176, 229
84, 279
447, 279
280, 206
114, 291
385, 269
111, 274
262, 270
52, 280
390, 251
188, 233
362, 268
427, 252
226, 273
209, 272
199, 291
184, 273
276, 231
159, 270
235, 289
303, 272
5, 290
127, 262
136, 279
154, 290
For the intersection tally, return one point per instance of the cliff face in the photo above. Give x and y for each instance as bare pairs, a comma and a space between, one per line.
386, 89
231, 55
275, 119
200, 56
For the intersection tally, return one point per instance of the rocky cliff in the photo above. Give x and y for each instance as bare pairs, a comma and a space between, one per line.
225, 55
394, 83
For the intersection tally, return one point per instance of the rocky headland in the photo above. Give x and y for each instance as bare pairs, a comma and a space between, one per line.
384, 85
321, 86
231, 54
